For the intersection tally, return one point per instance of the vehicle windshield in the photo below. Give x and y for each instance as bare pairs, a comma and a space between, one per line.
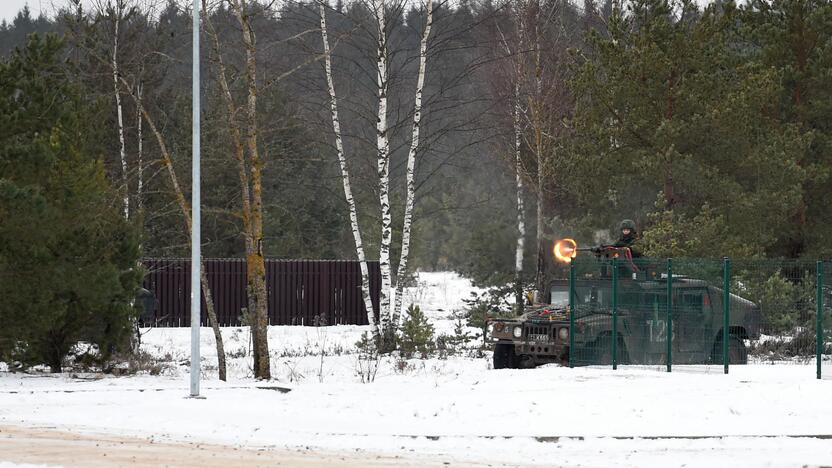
560, 296
587, 295
596, 295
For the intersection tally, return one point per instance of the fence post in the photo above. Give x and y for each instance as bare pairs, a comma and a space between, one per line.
819, 317
726, 309
572, 313
669, 318
615, 313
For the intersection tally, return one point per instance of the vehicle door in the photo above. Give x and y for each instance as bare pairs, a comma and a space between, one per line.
691, 320
653, 326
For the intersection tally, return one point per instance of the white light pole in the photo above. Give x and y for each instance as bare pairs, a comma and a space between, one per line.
196, 297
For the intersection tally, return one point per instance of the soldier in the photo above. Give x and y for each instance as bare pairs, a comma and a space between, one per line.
628, 237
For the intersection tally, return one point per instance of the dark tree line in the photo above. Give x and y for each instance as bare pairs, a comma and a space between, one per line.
641, 78
708, 127
460, 171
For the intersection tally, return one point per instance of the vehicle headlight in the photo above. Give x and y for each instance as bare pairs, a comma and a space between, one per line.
518, 332
498, 327
563, 333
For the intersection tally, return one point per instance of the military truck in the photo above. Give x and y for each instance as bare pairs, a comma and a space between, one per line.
541, 334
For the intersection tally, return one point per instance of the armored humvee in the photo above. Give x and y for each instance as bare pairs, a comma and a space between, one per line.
541, 334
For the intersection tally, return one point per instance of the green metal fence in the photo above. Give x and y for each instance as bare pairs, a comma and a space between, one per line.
700, 314
823, 321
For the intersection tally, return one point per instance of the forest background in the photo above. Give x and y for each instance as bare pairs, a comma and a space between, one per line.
506, 125
709, 128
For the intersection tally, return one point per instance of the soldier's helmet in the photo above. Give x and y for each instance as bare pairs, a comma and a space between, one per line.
627, 224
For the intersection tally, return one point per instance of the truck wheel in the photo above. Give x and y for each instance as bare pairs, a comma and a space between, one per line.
504, 357
737, 352
603, 351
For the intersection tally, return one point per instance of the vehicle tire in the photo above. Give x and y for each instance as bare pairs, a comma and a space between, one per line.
737, 352
603, 351
504, 357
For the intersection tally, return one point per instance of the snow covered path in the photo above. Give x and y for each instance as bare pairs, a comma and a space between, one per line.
50, 447
456, 411
461, 411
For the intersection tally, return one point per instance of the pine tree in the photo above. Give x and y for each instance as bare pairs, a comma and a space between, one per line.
794, 37
67, 257
670, 110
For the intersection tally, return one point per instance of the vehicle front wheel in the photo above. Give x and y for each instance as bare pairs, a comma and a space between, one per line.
504, 357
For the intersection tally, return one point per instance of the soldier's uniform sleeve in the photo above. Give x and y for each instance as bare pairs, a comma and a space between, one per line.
630, 242
634, 250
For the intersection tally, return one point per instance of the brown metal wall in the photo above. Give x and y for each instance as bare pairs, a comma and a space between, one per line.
301, 292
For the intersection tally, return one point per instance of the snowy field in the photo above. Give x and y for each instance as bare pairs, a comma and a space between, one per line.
455, 411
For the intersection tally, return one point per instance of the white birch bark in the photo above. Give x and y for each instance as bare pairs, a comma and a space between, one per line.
542, 251
345, 177
139, 153
122, 151
383, 154
411, 172
521, 224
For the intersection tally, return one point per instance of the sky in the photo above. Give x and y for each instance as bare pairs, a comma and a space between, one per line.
9, 8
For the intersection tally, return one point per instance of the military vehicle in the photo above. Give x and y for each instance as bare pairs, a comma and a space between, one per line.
541, 334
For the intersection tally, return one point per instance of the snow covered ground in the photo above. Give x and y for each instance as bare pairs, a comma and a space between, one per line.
455, 410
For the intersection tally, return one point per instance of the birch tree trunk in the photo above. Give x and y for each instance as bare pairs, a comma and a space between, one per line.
518, 164
383, 155
255, 261
139, 152
122, 151
542, 250
521, 224
345, 178
411, 172
185, 208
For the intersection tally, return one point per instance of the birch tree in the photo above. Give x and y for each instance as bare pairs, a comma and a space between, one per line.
516, 57
390, 300
521, 223
117, 12
407, 223
345, 177
536, 107
139, 150
85, 38
383, 165
547, 101
538, 78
